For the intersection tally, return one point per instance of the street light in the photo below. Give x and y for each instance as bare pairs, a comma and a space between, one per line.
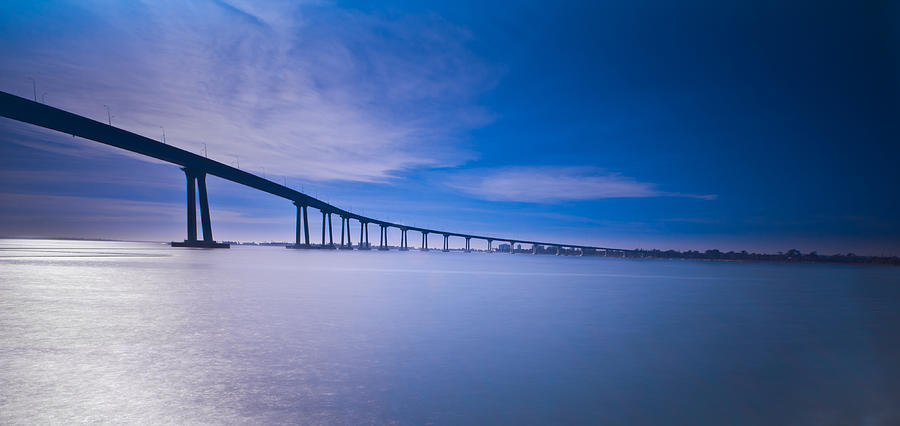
34, 88
108, 116
204, 149
164, 133
43, 98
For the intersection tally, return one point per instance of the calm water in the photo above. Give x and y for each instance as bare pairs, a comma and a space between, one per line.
139, 333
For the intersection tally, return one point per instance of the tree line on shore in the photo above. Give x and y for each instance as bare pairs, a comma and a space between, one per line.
792, 255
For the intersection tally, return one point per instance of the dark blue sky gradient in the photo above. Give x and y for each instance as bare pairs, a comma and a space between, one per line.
758, 125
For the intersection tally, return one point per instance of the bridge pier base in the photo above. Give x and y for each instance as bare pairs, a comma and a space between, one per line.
196, 180
403, 241
349, 245
199, 244
384, 244
301, 240
364, 236
446, 243
330, 233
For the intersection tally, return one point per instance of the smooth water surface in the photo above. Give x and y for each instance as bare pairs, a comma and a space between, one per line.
140, 333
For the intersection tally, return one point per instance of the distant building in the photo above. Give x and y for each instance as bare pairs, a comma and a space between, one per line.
503, 247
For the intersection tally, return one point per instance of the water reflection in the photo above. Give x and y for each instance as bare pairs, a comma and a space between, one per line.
142, 333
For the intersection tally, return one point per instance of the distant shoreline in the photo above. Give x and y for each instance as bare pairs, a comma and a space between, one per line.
792, 256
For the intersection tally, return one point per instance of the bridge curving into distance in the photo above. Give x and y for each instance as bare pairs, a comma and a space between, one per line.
196, 168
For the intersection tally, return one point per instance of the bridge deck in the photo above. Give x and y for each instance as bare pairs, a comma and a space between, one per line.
28, 111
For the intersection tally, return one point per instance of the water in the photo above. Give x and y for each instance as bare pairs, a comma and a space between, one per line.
140, 333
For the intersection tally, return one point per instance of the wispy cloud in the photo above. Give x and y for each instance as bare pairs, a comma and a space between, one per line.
106, 210
308, 91
548, 184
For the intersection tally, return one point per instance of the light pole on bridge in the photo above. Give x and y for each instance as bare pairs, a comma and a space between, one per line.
34, 87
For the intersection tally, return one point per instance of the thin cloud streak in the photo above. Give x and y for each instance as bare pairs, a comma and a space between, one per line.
312, 92
549, 184
105, 210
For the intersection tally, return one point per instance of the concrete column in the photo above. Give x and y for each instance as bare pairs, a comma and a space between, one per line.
384, 238
489, 245
204, 208
196, 187
343, 220
330, 233
299, 233
305, 227
191, 205
323, 229
349, 243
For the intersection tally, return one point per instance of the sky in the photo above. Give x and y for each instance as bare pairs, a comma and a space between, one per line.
748, 125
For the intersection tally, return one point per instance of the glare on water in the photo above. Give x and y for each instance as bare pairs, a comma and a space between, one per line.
141, 333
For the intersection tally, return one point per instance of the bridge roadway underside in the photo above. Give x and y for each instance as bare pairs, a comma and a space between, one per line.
197, 167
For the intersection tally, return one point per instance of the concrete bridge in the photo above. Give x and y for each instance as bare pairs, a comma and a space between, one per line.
196, 168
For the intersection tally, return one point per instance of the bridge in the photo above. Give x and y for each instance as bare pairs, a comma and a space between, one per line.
197, 167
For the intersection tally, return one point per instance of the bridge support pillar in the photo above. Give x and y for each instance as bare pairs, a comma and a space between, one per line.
326, 222
446, 243
330, 233
196, 180
468, 246
512, 247
191, 205
364, 236
349, 245
384, 242
489, 245
534, 248
404, 242
557, 250
424, 241
302, 228
305, 227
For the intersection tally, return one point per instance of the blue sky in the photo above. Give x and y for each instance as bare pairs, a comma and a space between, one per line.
746, 125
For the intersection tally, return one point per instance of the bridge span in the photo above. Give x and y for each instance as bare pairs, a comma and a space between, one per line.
196, 168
